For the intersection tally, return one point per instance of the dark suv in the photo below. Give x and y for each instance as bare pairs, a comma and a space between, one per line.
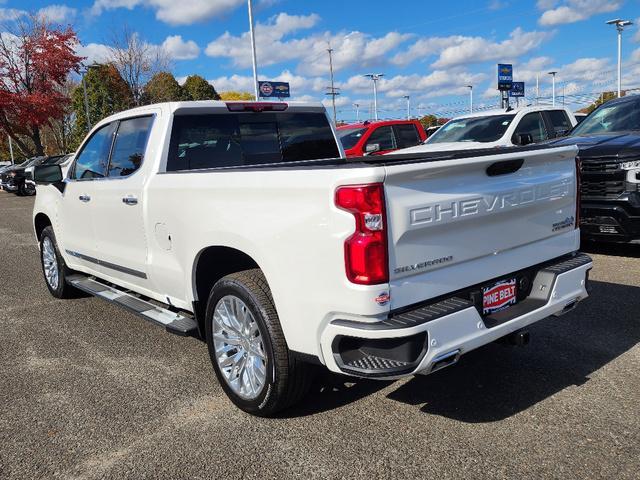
14, 178
609, 142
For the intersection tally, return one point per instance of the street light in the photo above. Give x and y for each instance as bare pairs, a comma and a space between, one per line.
620, 24
254, 61
357, 107
408, 98
553, 88
470, 87
374, 78
83, 71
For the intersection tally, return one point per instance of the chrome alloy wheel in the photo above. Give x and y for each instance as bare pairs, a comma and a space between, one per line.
239, 347
50, 263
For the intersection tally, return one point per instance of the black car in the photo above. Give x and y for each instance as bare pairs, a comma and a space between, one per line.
14, 178
609, 142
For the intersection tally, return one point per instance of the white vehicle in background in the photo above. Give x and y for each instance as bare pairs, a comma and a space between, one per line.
499, 128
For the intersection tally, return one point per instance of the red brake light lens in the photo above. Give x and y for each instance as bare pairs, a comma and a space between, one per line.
257, 106
365, 252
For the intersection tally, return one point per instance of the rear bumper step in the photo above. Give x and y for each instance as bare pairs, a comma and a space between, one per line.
434, 336
174, 322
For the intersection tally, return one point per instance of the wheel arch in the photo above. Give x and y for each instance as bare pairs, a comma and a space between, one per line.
210, 265
40, 222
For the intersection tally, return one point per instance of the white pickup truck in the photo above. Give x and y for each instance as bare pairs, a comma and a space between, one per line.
243, 225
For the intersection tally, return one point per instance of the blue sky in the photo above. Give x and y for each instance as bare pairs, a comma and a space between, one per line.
427, 50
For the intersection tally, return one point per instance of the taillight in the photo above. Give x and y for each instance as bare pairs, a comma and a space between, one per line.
365, 252
578, 190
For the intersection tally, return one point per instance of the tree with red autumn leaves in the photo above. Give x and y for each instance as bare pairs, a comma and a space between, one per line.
35, 61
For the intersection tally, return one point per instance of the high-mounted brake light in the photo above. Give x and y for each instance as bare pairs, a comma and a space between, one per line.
257, 106
365, 252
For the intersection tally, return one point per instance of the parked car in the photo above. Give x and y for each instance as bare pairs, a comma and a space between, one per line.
12, 179
499, 128
609, 142
375, 138
243, 224
63, 160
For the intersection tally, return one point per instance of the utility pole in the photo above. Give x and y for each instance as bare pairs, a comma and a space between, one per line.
620, 24
553, 88
254, 60
537, 88
408, 99
357, 107
332, 91
470, 87
374, 78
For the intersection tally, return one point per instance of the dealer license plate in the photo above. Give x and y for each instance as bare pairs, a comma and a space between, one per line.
499, 296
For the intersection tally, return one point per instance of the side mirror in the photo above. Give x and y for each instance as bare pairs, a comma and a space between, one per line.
47, 174
523, 139
372, 148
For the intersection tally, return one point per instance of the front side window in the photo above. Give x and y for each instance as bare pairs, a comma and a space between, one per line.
227, 140
383, 137
91, 161
531, 124
130, 145
406, 135
474, 129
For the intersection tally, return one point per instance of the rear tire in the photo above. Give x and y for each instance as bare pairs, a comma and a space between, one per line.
260, 353
54, 268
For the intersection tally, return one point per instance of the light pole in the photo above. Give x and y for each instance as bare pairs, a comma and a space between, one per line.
553, 88
470, 87
332, 91
620, 24
408, 99
357, 107
254, 60
11, 150
375, 77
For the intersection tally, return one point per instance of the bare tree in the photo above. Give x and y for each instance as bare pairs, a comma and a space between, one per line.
136, 60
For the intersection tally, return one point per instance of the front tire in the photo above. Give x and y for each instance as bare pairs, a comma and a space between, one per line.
54, 268
247, 346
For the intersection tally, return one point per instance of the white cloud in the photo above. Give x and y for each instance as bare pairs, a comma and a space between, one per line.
352, 50
174, 12
574, 10
10, 14
94, 52
179, 49
58, 13
479, 49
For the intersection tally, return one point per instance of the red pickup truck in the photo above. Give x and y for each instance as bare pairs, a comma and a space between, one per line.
375, 138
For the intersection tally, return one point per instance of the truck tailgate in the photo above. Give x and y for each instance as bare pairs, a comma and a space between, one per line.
456, 223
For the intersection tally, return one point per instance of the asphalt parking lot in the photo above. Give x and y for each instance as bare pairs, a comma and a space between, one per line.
90, 391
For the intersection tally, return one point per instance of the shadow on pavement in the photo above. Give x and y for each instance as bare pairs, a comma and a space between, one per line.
615, 249
498, 381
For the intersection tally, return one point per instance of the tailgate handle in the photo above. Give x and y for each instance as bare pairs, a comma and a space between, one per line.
504, 168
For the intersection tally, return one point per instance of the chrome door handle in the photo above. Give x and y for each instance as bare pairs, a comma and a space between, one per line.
84, 198
130, 200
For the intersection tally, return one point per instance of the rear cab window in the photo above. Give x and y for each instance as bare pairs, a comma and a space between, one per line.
406, 135
559, 121
216, 140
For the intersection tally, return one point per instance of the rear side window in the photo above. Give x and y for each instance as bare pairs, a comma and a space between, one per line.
533, 125
130, 145
406, 135
560, 121
227, 140
92, 160
383, 137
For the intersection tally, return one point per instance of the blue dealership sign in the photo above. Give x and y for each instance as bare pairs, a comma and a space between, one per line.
517, 89
274, 89
505, 76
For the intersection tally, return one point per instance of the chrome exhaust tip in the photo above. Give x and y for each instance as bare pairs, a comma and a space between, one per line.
445, 360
